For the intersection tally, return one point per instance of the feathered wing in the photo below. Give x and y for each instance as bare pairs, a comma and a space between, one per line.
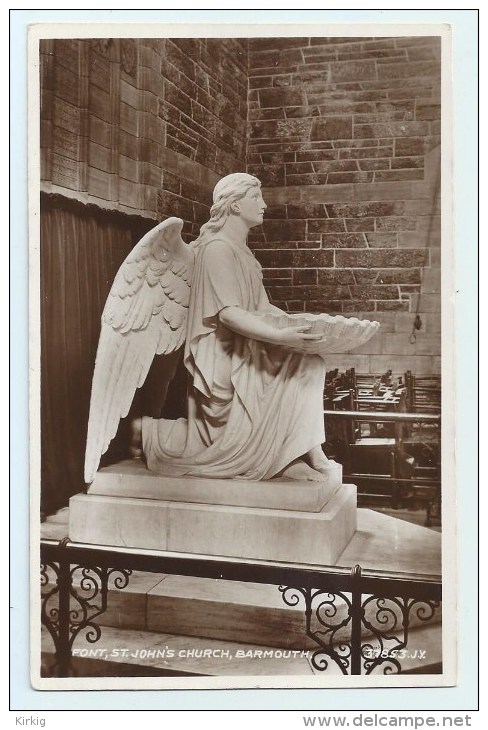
145, 314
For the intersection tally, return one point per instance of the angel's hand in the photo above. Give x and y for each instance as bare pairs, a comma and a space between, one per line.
298, 338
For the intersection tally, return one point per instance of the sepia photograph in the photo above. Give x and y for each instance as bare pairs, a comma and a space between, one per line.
241, 330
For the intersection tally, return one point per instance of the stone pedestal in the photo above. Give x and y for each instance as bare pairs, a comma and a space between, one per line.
131, 478
304, 522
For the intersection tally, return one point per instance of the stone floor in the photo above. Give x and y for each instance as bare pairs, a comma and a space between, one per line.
414, 516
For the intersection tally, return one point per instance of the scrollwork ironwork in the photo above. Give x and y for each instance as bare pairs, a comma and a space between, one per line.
85, 598
320, 609
386, 621
49, 613
389, 622
93, 584
291, 595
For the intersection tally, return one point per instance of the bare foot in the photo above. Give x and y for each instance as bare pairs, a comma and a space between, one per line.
135, 448
300, 471
318, 460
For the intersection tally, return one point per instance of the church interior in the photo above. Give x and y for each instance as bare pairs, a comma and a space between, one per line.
344, 135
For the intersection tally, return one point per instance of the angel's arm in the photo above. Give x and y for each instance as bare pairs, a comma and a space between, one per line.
266, 304
275, 310
249, 325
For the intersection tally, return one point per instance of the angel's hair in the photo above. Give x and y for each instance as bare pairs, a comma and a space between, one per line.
229, 189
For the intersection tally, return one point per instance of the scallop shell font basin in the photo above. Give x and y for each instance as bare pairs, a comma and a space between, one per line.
341, 334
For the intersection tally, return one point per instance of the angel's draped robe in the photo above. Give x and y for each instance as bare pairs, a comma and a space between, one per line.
253, 408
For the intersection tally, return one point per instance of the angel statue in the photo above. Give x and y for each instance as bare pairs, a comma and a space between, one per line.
255, 399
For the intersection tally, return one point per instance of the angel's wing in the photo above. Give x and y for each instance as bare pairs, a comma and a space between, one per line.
145, 314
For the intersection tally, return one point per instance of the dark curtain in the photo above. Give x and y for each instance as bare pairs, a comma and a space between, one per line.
81, 250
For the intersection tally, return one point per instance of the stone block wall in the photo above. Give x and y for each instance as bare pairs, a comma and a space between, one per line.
143, 126
344, 134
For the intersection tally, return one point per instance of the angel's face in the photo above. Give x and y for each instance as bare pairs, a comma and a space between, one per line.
251, 207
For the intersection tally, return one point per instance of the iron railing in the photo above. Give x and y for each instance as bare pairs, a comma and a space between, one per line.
359, 621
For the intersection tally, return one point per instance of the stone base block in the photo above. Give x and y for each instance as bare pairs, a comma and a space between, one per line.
132, 478
209, 529
254, 613
225, 610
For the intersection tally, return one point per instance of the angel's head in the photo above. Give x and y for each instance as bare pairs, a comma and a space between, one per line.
233, 187
226, 196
